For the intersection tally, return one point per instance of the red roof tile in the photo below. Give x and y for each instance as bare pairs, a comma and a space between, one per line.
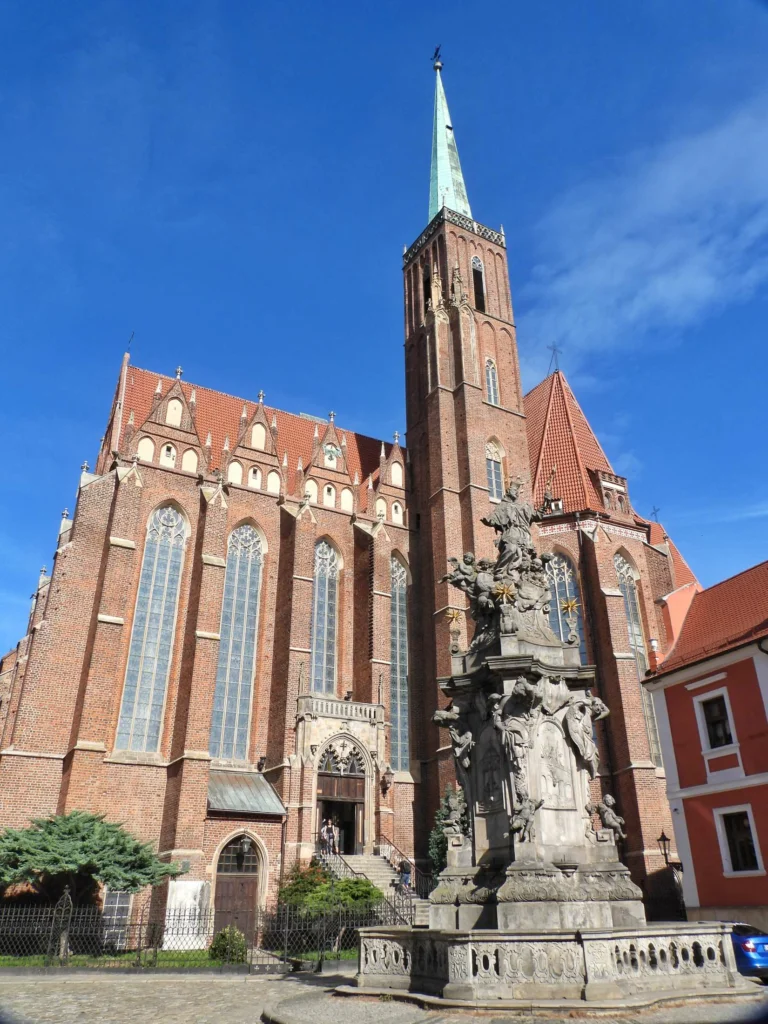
220, 414
559, 435
727, 615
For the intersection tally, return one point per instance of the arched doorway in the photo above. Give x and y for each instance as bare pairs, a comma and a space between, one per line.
341, 794
237, 885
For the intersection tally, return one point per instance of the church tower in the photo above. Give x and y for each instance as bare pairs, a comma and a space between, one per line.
464, 406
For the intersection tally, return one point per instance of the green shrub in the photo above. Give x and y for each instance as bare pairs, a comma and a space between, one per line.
229, 946
301, 883
347, 893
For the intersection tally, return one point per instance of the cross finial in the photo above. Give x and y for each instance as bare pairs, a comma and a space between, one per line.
331, 416
261, 398
396, 436
65, 513
84, 467
179, 372
556, 351
655, 513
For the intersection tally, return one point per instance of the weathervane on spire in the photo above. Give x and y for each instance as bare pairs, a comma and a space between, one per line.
435, 58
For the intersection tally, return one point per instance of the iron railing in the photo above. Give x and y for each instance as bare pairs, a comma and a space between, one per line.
400, 903
238, 938
422, 882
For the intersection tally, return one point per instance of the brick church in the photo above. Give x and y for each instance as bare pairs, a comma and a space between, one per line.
244, 625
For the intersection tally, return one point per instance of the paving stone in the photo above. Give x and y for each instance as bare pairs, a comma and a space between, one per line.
181, 999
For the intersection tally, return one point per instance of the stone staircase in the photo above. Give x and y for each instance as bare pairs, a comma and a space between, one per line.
378, 870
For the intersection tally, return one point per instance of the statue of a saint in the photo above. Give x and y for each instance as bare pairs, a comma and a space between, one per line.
512, 519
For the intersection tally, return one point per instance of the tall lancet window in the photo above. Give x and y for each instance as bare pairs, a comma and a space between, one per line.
478, 283
154, 621
565, 607
628, 585
491, 382
233, 696
324, 605
493, 469
398, 699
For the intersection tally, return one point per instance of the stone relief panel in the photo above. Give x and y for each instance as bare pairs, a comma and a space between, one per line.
555, 775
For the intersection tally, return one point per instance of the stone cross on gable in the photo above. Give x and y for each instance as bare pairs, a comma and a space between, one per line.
331, 416
343, 746
179, 372
261, 398
396, 436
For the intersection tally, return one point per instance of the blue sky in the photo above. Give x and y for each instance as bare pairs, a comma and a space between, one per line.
234, 182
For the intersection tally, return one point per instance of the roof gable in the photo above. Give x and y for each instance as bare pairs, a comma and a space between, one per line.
729, 614
218, 416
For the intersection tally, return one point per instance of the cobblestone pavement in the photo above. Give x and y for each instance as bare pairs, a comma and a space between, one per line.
181, 999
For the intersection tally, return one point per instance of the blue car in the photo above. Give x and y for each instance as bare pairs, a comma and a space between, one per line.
750, 945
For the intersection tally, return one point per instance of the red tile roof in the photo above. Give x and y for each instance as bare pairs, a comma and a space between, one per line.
221, 414
727, 615
559, 435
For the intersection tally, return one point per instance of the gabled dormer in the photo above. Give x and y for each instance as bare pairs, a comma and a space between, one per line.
253, 460
329, 451
256, 431
168, 436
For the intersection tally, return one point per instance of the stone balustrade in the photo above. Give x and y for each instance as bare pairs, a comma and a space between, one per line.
504, 965
312, 706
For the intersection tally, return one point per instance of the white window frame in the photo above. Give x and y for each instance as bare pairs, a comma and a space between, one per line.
722, 840
713, 753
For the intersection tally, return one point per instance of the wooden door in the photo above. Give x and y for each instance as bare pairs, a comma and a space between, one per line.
235, 903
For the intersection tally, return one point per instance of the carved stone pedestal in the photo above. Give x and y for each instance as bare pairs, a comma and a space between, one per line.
534, 903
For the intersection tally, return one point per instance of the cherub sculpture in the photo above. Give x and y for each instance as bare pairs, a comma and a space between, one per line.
522, 819
610, 818
463, 574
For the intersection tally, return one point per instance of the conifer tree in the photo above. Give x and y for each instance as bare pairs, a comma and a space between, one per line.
78, 850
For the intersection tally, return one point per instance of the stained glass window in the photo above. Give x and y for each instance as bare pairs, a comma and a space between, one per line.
565, 607
149, 655
324, 602
491, 382
233, 696
628, 585
399, 668
493, 469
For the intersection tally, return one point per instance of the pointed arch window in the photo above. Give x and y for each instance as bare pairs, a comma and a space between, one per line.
233, 695
154, 621
491, 382
628, 585
398, 699
565, 607
324, 608
478, 283
493, 469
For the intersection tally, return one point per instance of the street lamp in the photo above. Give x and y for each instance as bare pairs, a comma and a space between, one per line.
387, 778
664, 843
245, 845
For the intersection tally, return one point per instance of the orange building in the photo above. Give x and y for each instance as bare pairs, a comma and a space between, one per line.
711, 701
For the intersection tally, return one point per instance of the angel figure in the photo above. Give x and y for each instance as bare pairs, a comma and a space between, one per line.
610, 818
522, 819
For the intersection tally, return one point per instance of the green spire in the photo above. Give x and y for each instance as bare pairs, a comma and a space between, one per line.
446, 183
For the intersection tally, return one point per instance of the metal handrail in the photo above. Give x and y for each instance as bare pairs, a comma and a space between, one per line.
422, 882
400, 905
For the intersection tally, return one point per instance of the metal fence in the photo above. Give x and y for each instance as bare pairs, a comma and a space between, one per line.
284, 939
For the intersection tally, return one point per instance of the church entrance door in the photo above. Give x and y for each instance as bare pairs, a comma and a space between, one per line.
341, 795
237, 887
347, 817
